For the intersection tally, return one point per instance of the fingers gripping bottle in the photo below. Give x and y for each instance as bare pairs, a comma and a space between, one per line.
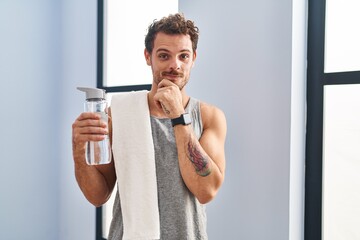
97, 152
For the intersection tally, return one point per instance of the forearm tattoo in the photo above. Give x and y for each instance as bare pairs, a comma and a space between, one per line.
200, 162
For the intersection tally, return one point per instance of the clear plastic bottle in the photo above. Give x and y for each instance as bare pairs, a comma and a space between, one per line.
97, 152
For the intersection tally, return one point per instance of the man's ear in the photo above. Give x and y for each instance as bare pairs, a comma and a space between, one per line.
147, 57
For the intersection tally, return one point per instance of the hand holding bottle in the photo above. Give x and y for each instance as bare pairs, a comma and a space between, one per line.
90, 129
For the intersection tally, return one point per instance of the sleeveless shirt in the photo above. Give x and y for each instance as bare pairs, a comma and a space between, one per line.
182, 217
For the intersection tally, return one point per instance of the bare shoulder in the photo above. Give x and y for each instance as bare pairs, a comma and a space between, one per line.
212, 116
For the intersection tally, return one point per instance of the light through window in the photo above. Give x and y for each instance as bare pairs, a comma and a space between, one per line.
125, 27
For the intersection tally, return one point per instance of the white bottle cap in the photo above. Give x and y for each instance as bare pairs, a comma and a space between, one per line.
92, 93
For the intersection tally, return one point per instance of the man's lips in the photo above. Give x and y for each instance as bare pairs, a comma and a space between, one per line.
171, 75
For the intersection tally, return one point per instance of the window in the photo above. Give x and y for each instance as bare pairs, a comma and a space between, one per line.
122, 29
333, 97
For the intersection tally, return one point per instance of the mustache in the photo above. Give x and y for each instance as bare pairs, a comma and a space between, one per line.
172, 73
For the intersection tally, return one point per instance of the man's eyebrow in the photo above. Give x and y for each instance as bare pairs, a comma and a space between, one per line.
166, 50
186, 50
162, 50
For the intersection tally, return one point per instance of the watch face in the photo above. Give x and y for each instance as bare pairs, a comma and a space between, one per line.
187, 118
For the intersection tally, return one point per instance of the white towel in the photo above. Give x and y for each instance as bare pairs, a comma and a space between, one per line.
134, 158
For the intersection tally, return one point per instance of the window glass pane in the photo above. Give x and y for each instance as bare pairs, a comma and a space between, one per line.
125, 26
342, 38
341, 162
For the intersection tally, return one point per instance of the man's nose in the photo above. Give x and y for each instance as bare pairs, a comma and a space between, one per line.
175, 64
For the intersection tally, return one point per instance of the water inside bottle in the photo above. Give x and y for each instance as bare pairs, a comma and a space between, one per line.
98, 152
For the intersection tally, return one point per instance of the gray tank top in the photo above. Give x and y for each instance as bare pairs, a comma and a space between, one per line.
182, 217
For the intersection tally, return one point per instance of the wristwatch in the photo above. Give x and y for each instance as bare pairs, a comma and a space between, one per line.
184, 119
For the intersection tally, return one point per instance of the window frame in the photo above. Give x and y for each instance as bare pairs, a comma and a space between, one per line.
317, 79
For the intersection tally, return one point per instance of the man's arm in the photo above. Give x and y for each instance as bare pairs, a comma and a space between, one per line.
96, 182
202, 162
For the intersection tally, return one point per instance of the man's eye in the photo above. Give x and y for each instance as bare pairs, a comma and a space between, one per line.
163, 56
185, 56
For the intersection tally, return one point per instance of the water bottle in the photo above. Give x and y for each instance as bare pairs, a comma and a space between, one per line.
97, 152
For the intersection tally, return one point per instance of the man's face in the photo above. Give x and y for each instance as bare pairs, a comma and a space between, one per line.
172, 58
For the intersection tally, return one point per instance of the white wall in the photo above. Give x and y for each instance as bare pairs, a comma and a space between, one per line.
47, 48
79, 40
29, 125
244, 66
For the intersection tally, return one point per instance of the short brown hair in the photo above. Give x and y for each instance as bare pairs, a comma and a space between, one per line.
173, 24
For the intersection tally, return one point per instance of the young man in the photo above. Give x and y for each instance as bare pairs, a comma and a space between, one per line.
189, 138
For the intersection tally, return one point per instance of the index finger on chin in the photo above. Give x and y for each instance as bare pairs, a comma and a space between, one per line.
164, 83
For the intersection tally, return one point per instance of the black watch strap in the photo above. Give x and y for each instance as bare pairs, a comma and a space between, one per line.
184, 119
